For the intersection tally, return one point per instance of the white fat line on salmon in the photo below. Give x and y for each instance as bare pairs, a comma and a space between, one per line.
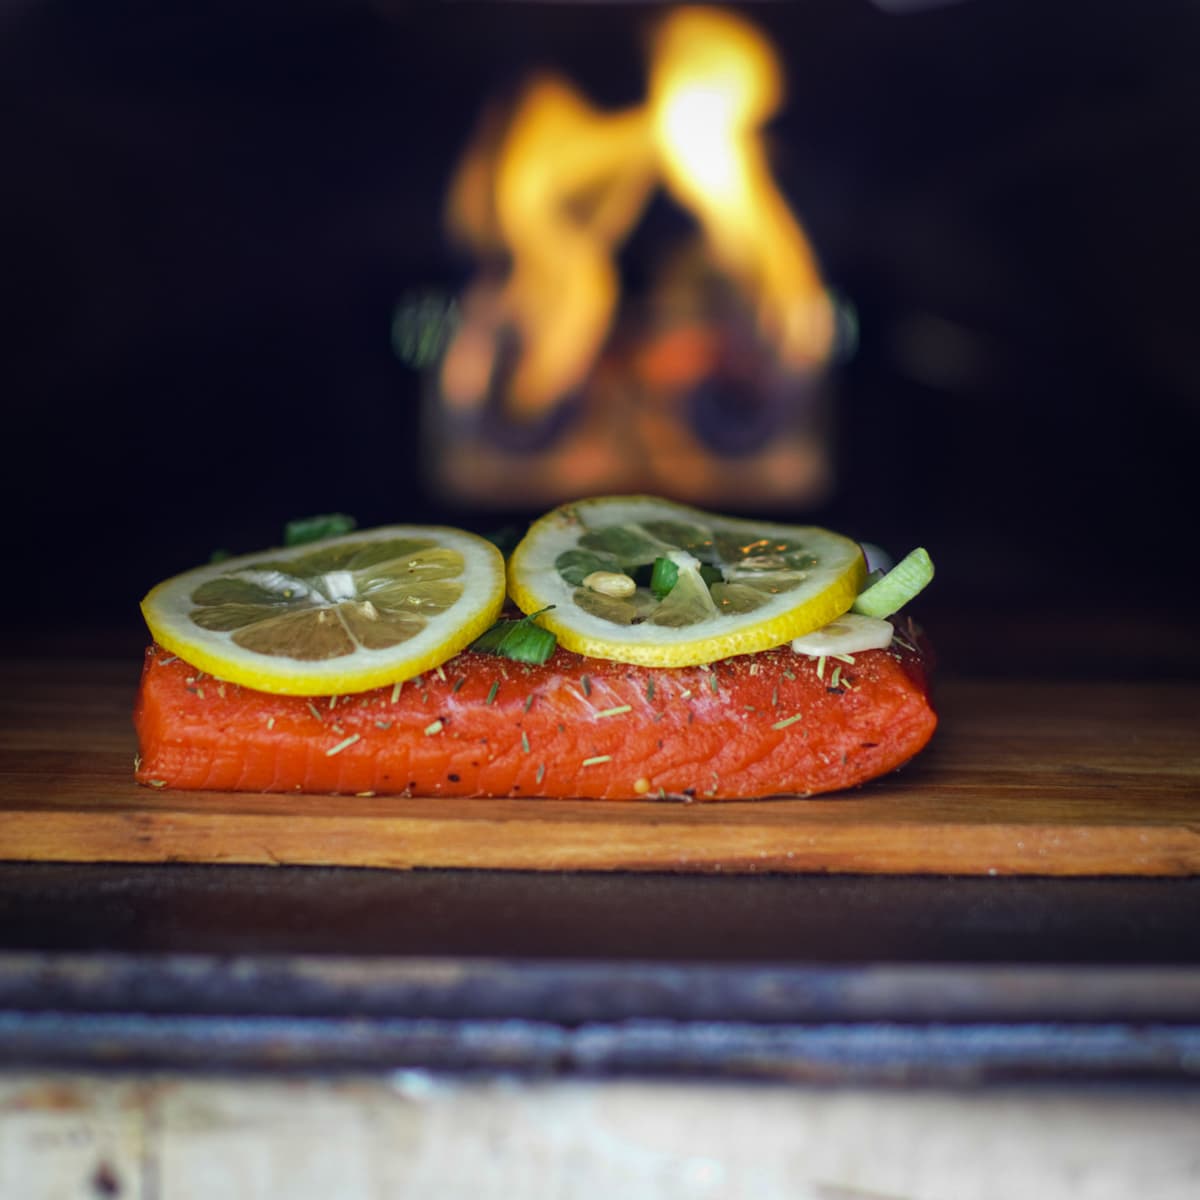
342, 745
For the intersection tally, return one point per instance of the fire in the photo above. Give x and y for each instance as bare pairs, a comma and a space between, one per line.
559, 187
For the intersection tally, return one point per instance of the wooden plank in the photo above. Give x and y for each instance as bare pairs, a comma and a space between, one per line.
1022, 778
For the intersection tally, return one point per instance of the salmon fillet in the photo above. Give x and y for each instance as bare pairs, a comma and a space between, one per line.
773, 723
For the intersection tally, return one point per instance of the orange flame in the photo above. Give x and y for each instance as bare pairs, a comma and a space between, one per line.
563, 184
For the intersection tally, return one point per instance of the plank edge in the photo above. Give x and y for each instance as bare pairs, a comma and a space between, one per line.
403, 843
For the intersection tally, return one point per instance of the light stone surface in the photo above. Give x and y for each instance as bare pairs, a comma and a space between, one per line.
77, 1137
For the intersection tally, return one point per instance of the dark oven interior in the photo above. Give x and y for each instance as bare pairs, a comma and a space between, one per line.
221, 222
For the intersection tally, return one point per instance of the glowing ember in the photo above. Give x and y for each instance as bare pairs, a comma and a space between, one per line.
559, 188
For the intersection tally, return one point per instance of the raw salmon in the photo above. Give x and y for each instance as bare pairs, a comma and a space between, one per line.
760, 725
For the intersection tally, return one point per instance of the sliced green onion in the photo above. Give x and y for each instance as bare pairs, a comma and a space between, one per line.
315, 529
520, 640
505, 538
422, 327
891, 593
664, 577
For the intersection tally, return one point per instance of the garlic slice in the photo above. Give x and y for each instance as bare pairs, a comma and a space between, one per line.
847, 634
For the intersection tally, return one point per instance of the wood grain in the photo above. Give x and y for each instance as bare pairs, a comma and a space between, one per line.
1022, 778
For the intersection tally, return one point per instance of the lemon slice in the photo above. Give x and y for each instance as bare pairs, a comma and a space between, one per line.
341, 615
738, 586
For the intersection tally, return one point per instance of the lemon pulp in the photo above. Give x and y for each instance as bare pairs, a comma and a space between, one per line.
740, 585
342, 615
